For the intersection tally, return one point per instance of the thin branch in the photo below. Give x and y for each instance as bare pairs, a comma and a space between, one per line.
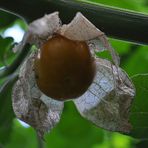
40, 142
6, 71
9, 81
125, 25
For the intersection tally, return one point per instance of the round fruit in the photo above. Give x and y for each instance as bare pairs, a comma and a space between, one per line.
64, 68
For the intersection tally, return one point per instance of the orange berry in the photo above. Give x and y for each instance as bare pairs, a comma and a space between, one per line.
65, 68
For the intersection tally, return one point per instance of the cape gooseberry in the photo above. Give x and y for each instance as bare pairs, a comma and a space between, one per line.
64, 68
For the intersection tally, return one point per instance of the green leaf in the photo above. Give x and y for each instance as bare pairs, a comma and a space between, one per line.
121, 47
6, 112
137, 63
22, 137
73, 131
139, 112
6, 19
135, 5
5, 51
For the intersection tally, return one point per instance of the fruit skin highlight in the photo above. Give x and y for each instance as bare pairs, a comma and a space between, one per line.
64, 68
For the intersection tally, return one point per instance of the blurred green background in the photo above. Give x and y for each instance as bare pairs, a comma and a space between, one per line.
73, 131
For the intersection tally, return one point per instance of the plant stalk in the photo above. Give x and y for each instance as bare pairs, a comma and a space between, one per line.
116, 23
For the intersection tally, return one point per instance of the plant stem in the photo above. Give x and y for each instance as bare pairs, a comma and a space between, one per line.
40, 142
6, 71
125, 25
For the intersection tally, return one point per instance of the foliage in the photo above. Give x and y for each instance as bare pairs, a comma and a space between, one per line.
6, 113
136, 5
139, 113
74, 131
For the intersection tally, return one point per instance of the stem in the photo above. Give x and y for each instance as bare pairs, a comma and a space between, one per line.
120, 24
40, 142
6, 71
